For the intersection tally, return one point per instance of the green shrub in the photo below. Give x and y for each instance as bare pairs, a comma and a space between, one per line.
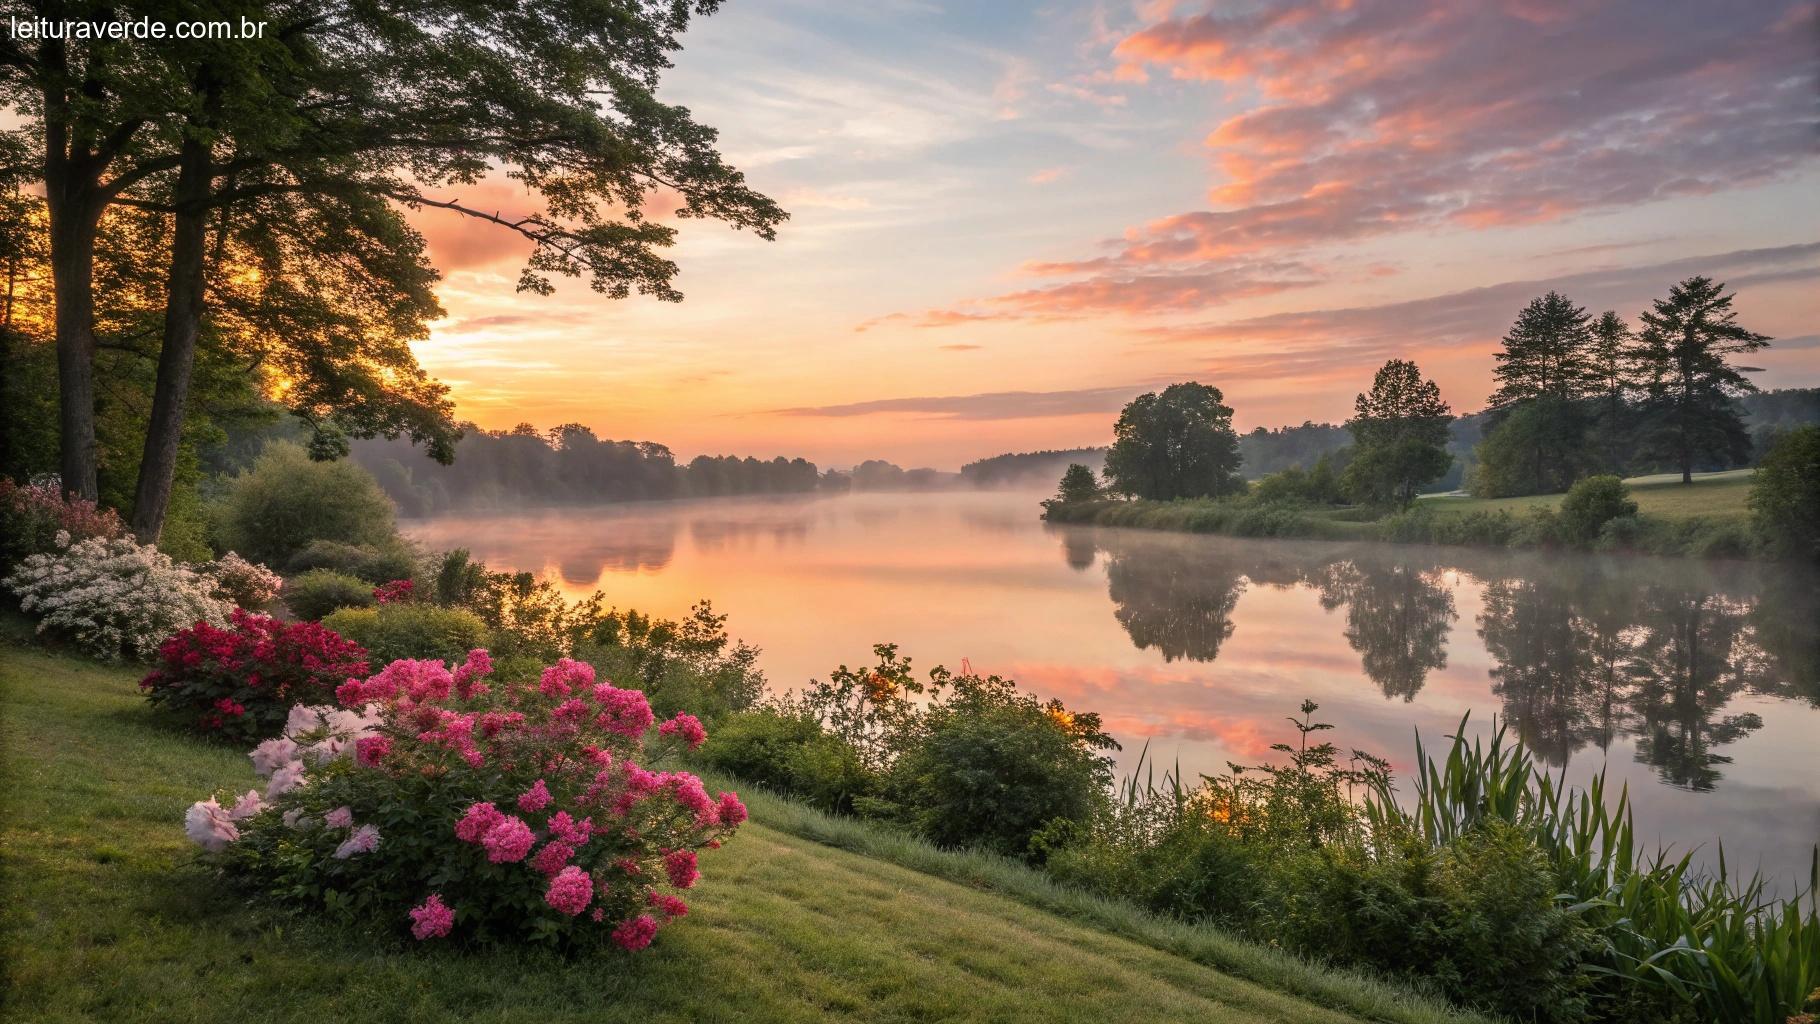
1590, 504
286, 501
1785, 496
788, 751
991, 767
1622, 533
376, 565
394, 631
682, 665
320, 591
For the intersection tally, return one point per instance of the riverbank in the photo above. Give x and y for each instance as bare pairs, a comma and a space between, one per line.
804, 917
1706, 519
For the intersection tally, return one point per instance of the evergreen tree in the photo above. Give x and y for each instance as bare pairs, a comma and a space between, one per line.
1078, 484
1547, 363
1178, 444
1613, 376
1399, 431
1689, 386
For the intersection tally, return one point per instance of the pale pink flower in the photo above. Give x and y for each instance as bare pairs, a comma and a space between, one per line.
340, 817
364, 840
208, 825
248, 805
270, 755
285, 779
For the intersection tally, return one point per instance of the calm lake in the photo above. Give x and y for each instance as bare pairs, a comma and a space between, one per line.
1693, 683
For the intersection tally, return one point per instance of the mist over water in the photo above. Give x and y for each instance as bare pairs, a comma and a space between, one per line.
1696, 684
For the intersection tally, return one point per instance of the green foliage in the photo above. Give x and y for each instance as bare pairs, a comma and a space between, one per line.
1688, 381
1538, 447
1177, 444
992, 766
376, 565
1591, 503
1547, 354
789, 752
1078, 484
318, 592
1785, 496
688, 665
287, 502
394, 631
1399, 431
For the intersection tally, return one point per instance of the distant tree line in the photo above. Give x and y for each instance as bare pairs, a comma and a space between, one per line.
1576, 396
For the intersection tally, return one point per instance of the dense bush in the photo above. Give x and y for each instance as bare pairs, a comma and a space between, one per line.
32, 517
391, 561
112, 596
1488, 883
1591, 503
442, 803
246, 584
241, 681
991, 766
286, 502
320, 591
788, 752
394, 631
1785, 496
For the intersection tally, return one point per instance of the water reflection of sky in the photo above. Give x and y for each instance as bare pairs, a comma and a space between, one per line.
1694, 684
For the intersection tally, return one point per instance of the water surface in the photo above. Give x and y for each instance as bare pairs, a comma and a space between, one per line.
1694, 683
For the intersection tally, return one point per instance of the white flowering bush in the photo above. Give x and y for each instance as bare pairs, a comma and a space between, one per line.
112, 596
247, 584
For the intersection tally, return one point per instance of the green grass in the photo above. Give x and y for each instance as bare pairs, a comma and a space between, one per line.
1662, 496
109, 916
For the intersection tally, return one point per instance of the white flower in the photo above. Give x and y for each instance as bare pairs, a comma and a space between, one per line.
113, 596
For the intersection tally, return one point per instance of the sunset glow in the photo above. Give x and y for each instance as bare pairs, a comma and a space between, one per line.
1009, 219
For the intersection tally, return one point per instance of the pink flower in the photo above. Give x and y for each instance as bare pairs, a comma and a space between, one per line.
271, 754
340, 817
731, 811
207, 824
475, 823
670, 906
564, 676
637, 933
572, 710
570, 831
508, 841
536, 798
351, 693
370, 750
248, 805
688, 727
553, 857
432, 920
570, 891
364, 840
286, 778
680, 866
625, 712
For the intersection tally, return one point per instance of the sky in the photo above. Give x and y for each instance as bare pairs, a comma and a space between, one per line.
1008, 219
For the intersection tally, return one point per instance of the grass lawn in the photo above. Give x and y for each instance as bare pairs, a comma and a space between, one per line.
107, 915
1663, 496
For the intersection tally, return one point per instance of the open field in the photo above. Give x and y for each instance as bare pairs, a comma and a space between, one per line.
1662, 495
109, 917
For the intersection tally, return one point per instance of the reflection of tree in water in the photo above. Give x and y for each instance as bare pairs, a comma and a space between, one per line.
1176, 600
1561, 645
1397, 618
1783, 628
1685, 670
1079, 549
621, 545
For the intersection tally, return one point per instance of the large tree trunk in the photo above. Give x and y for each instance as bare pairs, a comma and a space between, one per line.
74, 213
177, 357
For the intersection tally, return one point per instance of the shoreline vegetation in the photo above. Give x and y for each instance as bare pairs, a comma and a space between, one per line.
1708, 519
814, 915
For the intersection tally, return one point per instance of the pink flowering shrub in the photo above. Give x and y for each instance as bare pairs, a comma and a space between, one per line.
32, 516
395, 592
242, 681
444, 802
